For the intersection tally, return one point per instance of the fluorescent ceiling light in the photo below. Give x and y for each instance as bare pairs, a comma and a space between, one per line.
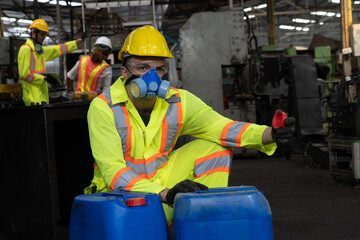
17, 29
301, 20
109, 4
25, 21
8, 19
334, 1
287, 27
357, 2
261, 6
54, 2
319, 13
247, 9
137, 23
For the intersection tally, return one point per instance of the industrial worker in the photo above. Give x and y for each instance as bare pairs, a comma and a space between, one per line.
134, 125
31, 62
93, 74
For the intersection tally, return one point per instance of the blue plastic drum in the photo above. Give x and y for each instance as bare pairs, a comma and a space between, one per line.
223, 213
118, 215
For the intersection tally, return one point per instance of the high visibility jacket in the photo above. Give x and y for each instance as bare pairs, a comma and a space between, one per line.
128, 154
31, 64
88, 75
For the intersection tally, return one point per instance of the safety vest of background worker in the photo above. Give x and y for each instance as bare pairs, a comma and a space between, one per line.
31, 62
134, 126
93, 74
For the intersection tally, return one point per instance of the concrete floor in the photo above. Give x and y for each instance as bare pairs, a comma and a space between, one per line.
306, 203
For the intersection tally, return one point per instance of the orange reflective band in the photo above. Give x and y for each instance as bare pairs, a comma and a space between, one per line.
133, 182
66, 47
238, 137
134, 160
163, 134
224, 133
180, 114
218, 169
129, 131
117, 175
103, 98
214, 155
42, 63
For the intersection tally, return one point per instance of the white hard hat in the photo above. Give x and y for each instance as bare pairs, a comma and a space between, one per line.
103, 41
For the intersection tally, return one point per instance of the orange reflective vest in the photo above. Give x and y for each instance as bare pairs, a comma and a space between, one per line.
88, 75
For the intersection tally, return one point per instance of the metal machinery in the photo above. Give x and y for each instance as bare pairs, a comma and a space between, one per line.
344, 104
10, 88
221, 67
213, 62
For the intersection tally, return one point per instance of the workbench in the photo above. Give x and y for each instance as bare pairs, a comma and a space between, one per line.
46, 161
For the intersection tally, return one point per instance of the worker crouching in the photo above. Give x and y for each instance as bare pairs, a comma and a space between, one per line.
134, 126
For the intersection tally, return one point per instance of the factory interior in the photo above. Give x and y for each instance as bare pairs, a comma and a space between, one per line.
246, 59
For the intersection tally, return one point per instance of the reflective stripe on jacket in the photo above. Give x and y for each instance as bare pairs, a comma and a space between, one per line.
31, 64
128, 153
88, 75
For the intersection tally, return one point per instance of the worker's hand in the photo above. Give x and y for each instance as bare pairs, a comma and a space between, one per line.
78, 41
284, 134
50, 79
83, 35
183, 187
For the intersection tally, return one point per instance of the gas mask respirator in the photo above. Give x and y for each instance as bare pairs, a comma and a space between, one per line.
38, 48
149, 86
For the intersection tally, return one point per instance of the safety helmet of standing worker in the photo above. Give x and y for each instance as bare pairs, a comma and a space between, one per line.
146, 41
103, 44
39, 24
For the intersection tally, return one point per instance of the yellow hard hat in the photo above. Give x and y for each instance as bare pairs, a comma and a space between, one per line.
39, 24
145, 41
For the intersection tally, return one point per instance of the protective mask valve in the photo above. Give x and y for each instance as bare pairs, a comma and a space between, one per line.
149, 86
38, 48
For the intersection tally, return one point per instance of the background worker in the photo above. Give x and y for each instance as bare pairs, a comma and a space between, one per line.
31, 62
134, 125
93, 74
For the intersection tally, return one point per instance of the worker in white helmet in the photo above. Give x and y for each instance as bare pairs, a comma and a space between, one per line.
92, 73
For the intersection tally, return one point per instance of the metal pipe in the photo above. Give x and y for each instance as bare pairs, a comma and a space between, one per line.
154, 16
83, 23
231, 5
271, 21
346, 22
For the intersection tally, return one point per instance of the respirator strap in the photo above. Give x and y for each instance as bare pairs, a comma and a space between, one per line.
133, 76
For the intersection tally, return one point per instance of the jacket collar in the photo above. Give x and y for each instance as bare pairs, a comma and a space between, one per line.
29, 42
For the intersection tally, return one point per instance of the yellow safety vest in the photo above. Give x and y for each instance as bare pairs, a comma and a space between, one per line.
31, 64
88, 74
128, 154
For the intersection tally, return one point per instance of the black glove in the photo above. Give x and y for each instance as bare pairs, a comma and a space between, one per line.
284, 134
183, 187
52, 80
